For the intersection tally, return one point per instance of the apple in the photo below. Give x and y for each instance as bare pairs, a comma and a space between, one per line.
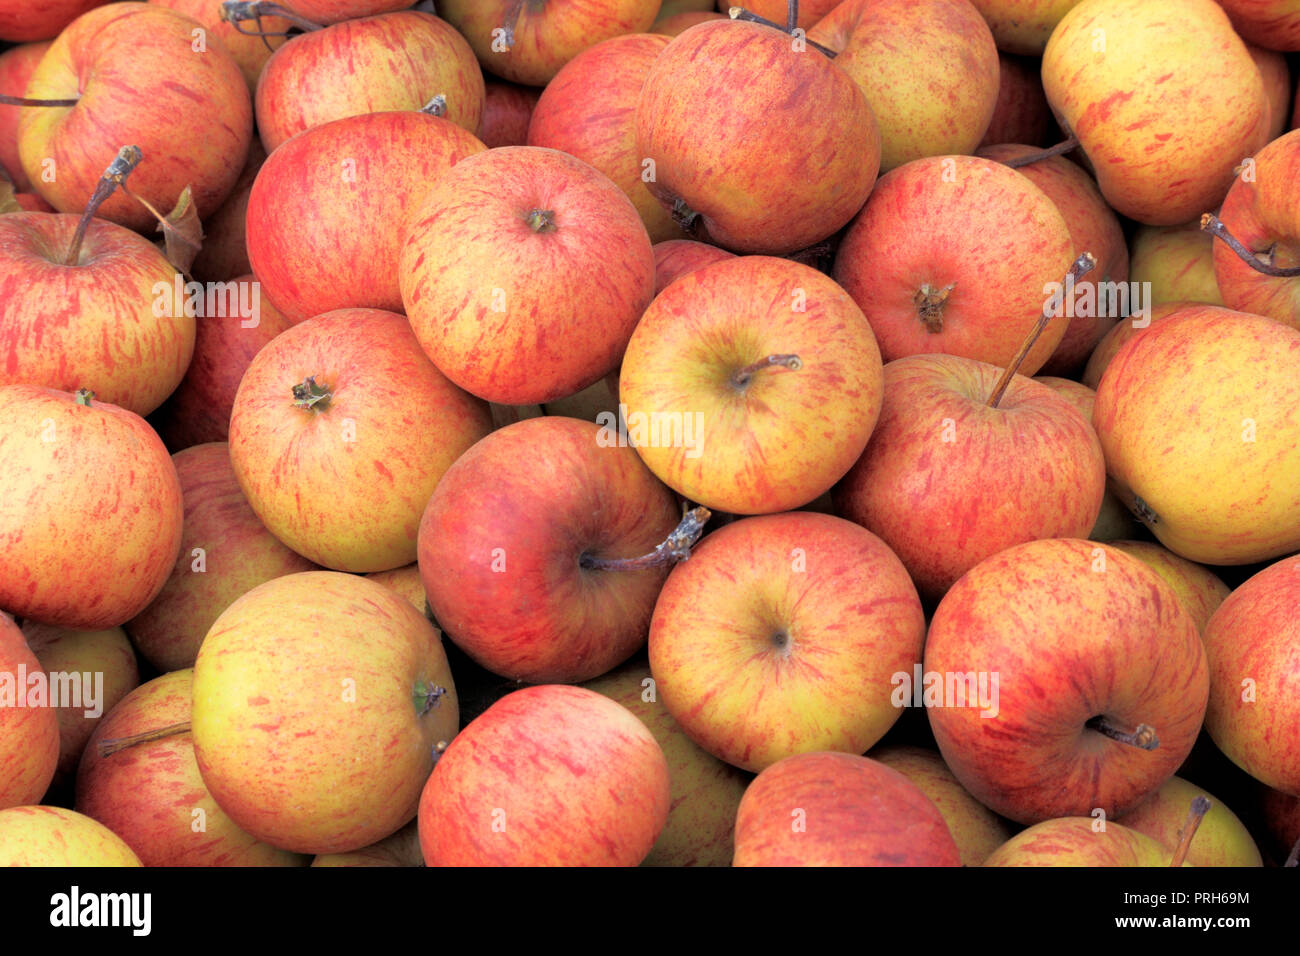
1077, 841
330, 208
976, 829
90, 509
837, 809
1083, 657
1199, 589
1277, 84
98, 668
318, 700
53, 836
523, 274
249, 51
1175, 263
225, 552
109, 322
1021, 113
1274, 24
1199, 417
151, 794
512, 542
751, 385
16, 68
1254, 671
589, 111
29, 736
1221, 839
138, 80
507, 112
783, 634
529, 42
675, 258
340, 431
747, 92
400, 849
956, 254
405, 581
22, 21
374, 64
1120, 74
948, 481
1118, 337
704, 792
1023, 26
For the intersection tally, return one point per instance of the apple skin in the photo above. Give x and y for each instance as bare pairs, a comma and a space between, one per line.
22, 21
547, 776
704, 792
1274, 24
933, 95
29, 736
330, 209
72, 558
1176, 263
16, 68
1277, 84
507, 112
1264, 214
94, 325
500, 545
1070, 642
106, 652
400, 849
344, 482
783, 438
977, 830
1118, 337
249, 52
148, 793
1197, 587
1176, 413
546, 35
857, 812
1071, 841
339, 771
521, 311
391, 63
224, 255
1220, 840
738, 89
53, 836
1165, 111
199, 410
1254, 636
781, 635
1021, 113
1093, 228
675, 258
1023, 26
936, 431
239, 553
102, 57
405, 581
589, 111
970, 222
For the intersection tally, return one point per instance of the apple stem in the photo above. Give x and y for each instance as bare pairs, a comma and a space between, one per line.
1144, 737
7, 100
742, 376
541, 220
128, 157
82, 396
1065, 146
676, 547
1081, 266
236, 12
512, 21
1294, 858
1200, 807
109, 747
312, 396
1214, 226
436, 106
792, 21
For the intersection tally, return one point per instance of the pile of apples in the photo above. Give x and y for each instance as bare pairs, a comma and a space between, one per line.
550, 433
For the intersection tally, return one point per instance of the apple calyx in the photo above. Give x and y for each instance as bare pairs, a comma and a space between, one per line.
1144, 737
82, 396
1065, 146
237, 12
426, 695
676, 547
1200, 807
687, 219
1081, 266
436, 106
126, 160
541, 220
109, 747
1144, 511
929, 305
312, 396
790, 26
742, 376
1214, 226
